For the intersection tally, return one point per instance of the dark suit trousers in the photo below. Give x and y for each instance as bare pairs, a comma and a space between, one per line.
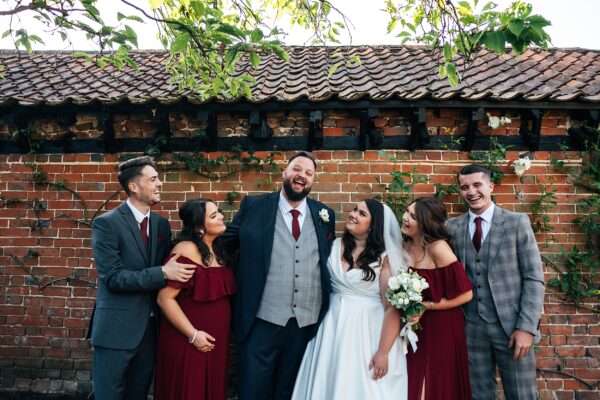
125, 374
270, 358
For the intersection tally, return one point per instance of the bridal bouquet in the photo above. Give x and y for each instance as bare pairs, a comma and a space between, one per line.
404, 293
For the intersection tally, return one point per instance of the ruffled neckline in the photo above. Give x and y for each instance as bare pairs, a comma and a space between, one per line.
209, 283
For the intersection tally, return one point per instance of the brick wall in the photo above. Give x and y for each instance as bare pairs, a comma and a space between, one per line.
46, 300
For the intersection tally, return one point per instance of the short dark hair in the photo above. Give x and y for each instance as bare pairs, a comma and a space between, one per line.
132, 168
473, 169
305, 154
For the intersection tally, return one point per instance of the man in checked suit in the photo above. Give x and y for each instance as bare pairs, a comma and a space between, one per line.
502, 259
284, 239
129, 244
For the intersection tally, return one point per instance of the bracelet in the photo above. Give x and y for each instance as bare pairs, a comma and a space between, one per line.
193, 338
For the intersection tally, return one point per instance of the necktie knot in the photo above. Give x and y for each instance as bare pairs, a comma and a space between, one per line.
295, 223
144, 230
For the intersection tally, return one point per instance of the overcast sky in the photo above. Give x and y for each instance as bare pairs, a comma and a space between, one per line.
574, 24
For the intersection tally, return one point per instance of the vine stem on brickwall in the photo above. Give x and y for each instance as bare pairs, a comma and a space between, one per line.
590, 386
25, 268
566, 300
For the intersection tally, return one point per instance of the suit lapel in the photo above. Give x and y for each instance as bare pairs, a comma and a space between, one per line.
312, 206
134, 229
463, 236
496, 234
153, 237
268, 234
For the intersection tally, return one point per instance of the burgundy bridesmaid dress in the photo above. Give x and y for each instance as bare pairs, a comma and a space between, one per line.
440, 365
182, 371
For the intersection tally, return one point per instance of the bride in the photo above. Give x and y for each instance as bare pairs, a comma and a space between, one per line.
356, 353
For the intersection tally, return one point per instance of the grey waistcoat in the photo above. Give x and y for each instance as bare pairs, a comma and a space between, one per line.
477, 268
293, 286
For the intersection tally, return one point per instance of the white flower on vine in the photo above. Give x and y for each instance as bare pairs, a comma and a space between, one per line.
521, 165
496, 122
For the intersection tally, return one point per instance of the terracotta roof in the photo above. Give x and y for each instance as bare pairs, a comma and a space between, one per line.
385, 72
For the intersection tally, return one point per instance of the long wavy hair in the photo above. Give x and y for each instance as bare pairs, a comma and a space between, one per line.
193, 214
375, 245
431, 216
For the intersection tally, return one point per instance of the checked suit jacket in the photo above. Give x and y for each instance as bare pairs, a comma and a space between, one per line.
515, 271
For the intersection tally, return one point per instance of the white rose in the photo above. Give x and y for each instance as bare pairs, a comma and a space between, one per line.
324, 214
521, 165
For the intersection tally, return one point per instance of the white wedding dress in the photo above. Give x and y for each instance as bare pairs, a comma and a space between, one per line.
336, 362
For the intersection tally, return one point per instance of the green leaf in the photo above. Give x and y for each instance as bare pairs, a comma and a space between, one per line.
442, 72
452, 74
254, 60
447, 52
332, 69
231, 55
494, 41
180, 43
256, 35
392, 25
516, 27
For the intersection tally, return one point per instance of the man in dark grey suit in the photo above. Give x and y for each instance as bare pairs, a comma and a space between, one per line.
284, 239
501, 255
129, 244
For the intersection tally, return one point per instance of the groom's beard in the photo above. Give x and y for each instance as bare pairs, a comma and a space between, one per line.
294, 196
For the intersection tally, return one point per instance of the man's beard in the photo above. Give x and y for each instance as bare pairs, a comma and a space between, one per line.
294, 196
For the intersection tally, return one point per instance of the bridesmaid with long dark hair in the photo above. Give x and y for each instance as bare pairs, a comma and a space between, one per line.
194, 337
439, 369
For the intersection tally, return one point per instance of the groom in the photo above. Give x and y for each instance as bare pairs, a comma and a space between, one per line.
284, 239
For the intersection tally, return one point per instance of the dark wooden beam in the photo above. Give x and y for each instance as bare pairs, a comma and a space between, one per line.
530, 130
259, 129
212, 134
583, 133
419, 136
474, 116
315, 130
105, 120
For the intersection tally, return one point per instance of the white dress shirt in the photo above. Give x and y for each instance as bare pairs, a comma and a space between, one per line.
486, 222
285, 209
139, 217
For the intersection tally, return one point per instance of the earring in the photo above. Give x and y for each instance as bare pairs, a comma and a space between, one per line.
201, 232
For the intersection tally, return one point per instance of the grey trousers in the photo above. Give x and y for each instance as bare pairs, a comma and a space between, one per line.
487, 344
125, 374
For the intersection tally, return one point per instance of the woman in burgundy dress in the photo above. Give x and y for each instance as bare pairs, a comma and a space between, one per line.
439, 369
193, 341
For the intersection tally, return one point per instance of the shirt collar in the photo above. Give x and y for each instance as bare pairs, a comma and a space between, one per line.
137, 214
486, 215
285, 207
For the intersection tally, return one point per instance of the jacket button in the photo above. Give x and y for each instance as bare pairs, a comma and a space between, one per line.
297, 276
297, 247
295, 290
297, 261
294, 306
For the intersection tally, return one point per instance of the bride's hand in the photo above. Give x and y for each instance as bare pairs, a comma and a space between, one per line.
379, 365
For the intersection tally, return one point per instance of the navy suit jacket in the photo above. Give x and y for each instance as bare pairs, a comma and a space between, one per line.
129, 274
252, 232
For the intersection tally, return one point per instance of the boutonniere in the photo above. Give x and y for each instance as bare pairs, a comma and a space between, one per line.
324, 214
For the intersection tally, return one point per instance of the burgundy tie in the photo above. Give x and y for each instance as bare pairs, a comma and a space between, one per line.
144, 230
478, 234
295, 224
